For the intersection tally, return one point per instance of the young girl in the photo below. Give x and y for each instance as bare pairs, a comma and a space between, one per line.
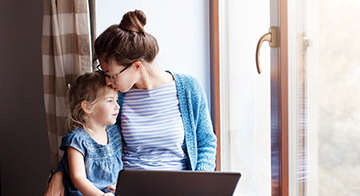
92, 158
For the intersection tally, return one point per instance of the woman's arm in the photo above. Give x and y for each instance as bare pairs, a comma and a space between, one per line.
56, 186
206, 141
206, 138
78, 174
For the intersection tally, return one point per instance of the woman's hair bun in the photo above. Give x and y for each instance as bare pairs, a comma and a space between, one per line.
133, 21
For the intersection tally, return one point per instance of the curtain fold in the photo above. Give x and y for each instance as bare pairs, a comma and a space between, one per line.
66, 53
92, 11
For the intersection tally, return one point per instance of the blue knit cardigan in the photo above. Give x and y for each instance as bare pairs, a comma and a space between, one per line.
200, 139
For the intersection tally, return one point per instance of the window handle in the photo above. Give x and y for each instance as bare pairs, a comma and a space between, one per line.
270, 37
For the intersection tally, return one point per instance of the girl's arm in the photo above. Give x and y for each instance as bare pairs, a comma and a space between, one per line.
78, 175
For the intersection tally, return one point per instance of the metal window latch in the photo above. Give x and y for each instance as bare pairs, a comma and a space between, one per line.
272, 38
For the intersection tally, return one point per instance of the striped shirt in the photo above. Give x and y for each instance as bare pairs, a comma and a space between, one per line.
153, 130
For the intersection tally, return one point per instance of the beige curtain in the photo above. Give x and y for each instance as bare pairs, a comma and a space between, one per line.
92, 10
66, 53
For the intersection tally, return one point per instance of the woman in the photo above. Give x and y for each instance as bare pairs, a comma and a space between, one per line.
164, 119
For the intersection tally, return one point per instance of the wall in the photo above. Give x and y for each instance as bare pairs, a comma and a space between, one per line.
24, 160
180, 27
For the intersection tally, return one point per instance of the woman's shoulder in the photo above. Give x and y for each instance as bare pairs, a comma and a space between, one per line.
187, 81
183, 77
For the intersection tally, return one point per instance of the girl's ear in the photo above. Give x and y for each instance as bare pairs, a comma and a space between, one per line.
85, 105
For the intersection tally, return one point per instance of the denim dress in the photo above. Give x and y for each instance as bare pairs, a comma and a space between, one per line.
102, 162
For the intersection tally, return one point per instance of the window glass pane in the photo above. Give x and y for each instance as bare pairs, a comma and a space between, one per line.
339, 92
245, 96
326, 60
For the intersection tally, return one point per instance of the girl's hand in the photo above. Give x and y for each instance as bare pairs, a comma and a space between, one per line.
112, 187
56, 186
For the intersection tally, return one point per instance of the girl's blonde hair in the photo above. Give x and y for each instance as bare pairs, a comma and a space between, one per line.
88, 87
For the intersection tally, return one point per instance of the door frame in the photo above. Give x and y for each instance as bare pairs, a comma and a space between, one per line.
215, 75
279, 93
280, 100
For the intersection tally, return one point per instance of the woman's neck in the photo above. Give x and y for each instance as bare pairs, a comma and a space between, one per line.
153, 77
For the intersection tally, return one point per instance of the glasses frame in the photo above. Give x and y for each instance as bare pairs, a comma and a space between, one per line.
112, 78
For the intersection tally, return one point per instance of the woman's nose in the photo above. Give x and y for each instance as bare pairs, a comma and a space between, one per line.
108, 81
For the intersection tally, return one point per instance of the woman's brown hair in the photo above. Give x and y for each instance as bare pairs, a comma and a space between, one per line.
127, 42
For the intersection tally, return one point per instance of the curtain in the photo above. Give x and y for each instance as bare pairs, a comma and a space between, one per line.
92, 9
66, 53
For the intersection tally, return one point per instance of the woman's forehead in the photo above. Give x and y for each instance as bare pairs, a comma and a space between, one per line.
107, 66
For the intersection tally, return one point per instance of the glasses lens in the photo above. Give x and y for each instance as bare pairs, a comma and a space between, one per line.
105, 74
99, 68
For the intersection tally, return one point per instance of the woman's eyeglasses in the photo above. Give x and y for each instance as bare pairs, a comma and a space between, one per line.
112, 78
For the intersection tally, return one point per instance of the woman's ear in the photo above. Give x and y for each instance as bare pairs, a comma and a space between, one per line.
85, 105
138, 65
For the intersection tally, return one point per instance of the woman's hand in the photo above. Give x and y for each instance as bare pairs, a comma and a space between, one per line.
56, 186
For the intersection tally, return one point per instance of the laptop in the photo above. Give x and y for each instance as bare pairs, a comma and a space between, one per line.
176, 183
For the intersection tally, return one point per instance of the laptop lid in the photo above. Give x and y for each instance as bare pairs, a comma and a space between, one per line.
184, 183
